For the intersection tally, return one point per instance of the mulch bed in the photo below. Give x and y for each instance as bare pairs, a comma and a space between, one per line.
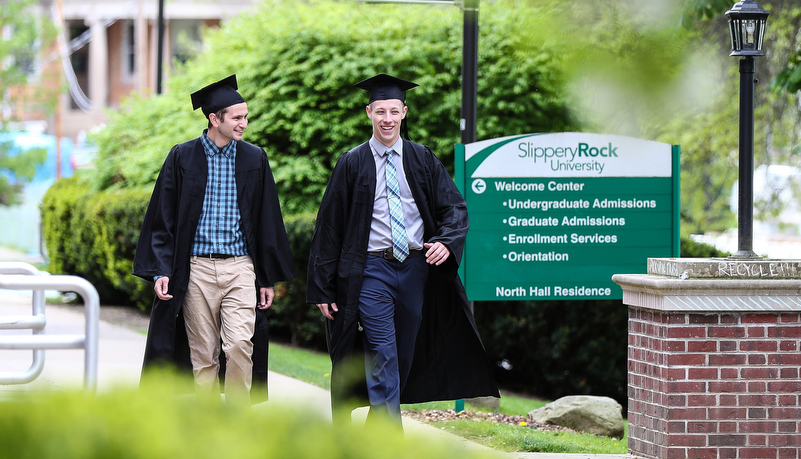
431, 416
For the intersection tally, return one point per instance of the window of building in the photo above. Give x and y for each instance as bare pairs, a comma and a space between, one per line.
128, 51
78, 35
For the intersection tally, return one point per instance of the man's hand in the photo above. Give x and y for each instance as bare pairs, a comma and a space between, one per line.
436, 253
266, 295
162, 287
328, 309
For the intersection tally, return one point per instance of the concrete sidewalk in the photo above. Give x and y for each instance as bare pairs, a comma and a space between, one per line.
120, 362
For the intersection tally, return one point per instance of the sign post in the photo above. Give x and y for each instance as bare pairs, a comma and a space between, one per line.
554, 216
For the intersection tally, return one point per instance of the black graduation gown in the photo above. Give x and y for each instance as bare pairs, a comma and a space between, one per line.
165, 243
450, 362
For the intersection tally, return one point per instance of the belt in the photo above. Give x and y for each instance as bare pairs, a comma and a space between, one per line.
215, 256
386, 254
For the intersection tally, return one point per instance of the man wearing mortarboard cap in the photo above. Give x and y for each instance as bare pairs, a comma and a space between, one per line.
383, 271
214, 242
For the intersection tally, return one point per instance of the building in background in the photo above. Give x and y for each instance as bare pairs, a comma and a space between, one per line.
108, 50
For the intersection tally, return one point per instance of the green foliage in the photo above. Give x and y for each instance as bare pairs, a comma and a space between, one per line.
93, 235
703, 10
708, 131
291, 318
25, 32
298, 80
632, 71
778, 109
558, 348
709, 139
623, 62
153, 422
692, 249
58, 205
789, 79
133, 148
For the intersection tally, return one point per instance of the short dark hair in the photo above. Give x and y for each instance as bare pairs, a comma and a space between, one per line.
220, 115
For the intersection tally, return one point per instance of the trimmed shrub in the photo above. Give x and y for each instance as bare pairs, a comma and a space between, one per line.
57, 207
93, 235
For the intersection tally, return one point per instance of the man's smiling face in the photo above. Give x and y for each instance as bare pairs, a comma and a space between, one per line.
387, 116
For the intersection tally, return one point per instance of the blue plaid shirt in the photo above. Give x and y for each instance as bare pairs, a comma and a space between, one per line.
219, 229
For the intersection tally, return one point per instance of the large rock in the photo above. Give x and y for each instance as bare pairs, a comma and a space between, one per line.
586, 413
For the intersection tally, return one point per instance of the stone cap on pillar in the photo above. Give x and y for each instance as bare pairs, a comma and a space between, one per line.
714, 285
725, 268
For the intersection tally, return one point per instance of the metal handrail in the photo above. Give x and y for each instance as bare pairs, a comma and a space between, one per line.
18, 276
35, 322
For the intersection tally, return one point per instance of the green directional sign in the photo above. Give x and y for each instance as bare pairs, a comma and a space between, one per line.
554, 216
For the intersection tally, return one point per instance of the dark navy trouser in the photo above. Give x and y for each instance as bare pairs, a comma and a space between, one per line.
390, 310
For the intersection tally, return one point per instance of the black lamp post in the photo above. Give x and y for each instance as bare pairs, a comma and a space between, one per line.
747, 28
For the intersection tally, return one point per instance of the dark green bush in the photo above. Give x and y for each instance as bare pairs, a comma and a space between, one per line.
93, 235
557, 348
692, 249
57, 207
154, 423
291, 318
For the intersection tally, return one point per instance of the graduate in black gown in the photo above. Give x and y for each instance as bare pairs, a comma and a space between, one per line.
383, 265
214, 242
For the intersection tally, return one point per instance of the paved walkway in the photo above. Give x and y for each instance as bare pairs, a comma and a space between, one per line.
120, 361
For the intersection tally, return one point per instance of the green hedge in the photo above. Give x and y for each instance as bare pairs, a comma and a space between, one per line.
93, 235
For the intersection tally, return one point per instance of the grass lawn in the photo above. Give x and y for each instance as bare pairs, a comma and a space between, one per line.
505, 437
315, 368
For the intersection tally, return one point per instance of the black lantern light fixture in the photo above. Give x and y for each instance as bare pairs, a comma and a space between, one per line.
747, 29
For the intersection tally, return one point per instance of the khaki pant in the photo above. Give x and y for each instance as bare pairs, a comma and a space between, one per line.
220, 304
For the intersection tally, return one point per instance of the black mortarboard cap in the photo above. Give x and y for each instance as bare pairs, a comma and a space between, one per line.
217, 96
384, 87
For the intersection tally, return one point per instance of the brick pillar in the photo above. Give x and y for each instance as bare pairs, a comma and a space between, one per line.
713, 366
